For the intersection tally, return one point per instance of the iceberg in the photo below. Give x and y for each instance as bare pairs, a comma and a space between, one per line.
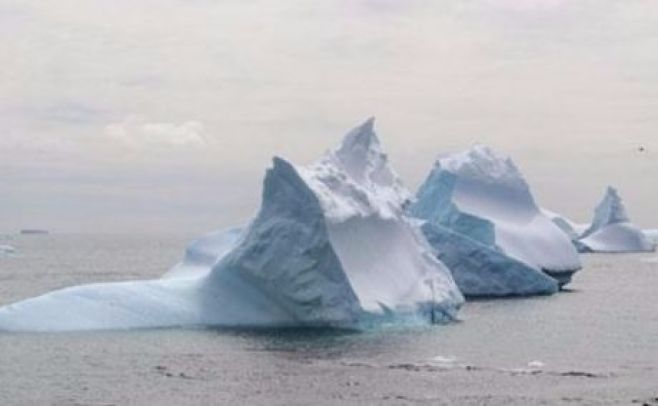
330, 246
571, 228
652, 234
481, 218
6, 249
611, 229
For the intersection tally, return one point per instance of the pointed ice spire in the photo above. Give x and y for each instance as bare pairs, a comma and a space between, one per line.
611, 210
284, 191
360, 145
361, 157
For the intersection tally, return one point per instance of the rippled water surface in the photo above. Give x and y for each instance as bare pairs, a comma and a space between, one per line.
595, 344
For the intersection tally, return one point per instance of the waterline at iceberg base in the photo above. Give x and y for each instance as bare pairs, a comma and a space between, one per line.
341, 243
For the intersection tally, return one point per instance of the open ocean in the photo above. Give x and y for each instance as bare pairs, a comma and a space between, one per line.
596, 343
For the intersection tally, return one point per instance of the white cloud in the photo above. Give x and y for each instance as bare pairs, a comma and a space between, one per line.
137, 132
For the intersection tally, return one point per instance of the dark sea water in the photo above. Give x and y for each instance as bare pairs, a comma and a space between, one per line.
595, 344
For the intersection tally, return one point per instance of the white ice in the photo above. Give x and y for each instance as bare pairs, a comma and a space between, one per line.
573, 229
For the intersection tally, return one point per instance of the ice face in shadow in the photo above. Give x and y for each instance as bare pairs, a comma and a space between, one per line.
330, 246
482, 219
286, 256
611, 229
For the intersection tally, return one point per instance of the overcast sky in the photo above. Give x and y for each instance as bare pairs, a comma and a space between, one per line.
162, 115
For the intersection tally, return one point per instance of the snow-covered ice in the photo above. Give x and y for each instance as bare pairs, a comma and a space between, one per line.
611, 229
482, 219
330, 246
573, 229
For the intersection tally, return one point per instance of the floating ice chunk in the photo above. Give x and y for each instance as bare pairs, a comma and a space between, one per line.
536, 365
6, 249
440, 359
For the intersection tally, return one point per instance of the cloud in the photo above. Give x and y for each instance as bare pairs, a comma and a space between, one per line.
137, 132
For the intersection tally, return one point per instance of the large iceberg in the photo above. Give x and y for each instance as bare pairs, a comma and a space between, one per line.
612, 231
482, 219
330, 246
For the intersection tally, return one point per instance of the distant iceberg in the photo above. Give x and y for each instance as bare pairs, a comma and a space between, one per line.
611, 229
6, 249
652, 234
484, 224
331, 246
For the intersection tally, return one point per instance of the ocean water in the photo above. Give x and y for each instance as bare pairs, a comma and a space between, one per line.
596, 343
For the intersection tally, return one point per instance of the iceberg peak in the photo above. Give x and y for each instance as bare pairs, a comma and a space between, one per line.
361, 156
284, 190
360, 139
357, 177
481, 163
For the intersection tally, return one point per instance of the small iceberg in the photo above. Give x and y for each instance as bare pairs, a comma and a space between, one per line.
34, 231
652, 234
612, 231
481, 218
330, 246
6, 249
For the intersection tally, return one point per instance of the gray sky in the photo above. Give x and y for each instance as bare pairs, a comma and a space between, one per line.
162, 115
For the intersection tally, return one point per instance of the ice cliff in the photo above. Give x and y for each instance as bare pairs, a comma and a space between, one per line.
611, 229
330, 246
484, 224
